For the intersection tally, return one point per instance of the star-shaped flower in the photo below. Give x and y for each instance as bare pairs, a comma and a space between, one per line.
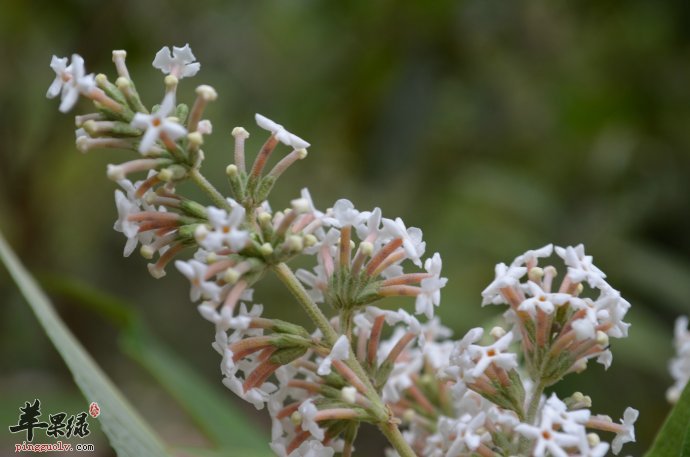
179, 63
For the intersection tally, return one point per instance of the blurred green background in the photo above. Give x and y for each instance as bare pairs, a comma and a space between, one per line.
494, 126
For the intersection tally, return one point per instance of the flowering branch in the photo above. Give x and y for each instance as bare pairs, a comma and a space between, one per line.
454, 399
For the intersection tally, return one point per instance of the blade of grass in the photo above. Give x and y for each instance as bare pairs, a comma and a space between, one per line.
127, 432
204, 403
670, 441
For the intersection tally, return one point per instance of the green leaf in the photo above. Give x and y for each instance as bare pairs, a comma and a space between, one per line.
209, 409
205, 403
127, 432
672, 439
685, 451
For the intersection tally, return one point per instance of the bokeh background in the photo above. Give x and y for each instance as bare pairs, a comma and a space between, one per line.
494, 126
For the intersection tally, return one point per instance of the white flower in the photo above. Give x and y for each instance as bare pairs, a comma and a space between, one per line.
157, 124
179, 63
473, 360
304, 194
308, 412
195, 271
580, 266
550, 438
70, 80
316, 282
547, 302
570, 421
225, 229
340, 351
627, 434
532, 255
430, 294
464, 434
506, 276
343, 214
130, 229
611, 309
280, 133
368, 228
412, 238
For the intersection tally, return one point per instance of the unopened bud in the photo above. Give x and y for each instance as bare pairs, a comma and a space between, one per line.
206, 92
602, 338
195, 139
155, 271
536, 273
200, 233
301, 153
231, 170
310, 240
348, 394
240, 132
211, 257
165, 175
497, 333
582, 399
294, 243
367, 248
300, 205
115, 172
231, 276
119, 54
147, 251
83, 144
296, 418
264, 218
101, 79
551, 270
266, 249
593, 439
170, 81
579, 289
122, 83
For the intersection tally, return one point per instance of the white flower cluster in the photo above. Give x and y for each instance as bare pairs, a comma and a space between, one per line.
680, 364
534, 305
482, 400
384, 245
483, 395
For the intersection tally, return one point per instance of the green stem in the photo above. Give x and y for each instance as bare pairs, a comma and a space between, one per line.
391, 431
210, 190
382, 414
531, 415
292, 283
534, 402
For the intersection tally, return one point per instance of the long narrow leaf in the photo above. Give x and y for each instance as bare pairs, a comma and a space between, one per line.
127, 432
211, 411
669, 441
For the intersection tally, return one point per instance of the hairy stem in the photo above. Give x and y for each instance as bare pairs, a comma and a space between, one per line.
292, 283
209, 189
391, 431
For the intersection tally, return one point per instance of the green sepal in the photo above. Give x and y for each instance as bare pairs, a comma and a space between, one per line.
194, 209
286, 355
181, 113
289, 328
264, 188
110, 89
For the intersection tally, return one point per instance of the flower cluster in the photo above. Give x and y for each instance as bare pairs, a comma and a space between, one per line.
482, 395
